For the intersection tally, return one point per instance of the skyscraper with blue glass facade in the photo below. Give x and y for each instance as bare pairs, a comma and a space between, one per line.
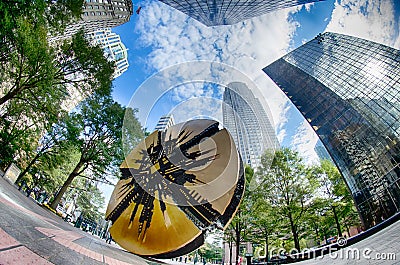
348, 89
248, 123
221, 12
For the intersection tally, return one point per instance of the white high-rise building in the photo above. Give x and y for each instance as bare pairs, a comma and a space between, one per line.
113, 48
248, 123
165, 122
98, 14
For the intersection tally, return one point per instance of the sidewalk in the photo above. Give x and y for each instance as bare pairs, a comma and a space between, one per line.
30, 234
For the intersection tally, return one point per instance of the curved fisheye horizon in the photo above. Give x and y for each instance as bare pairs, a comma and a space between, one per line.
288, 148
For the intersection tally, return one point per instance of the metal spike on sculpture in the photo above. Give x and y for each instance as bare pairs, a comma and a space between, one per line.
175, 185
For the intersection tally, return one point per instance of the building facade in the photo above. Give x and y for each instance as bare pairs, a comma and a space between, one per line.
248, 123
165, 122
99, 14
219, 12
113, 48
348, 89
321, 152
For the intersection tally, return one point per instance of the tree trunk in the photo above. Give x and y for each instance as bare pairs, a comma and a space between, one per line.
348, 229
294, 233
237, 231
325, 235
10, 95
230, 251
316, 234
66, 184
266, 247
337, 221
23, 173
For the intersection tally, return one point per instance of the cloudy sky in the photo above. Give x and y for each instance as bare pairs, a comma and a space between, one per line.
161, 37
164, 44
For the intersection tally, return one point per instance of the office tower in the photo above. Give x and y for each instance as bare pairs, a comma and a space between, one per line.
322, 152
245, 118
99, 14
219, 12
113, 48
165, 122
348, 89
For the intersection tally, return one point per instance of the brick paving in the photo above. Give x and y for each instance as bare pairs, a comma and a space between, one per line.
12, 252
30, 234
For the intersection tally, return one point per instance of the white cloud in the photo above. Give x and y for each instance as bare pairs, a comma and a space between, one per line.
308, 6
248, 46
201, 107
369, 19
304, 142
251, 45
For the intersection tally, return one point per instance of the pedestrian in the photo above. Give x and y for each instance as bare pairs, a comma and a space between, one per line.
109, 238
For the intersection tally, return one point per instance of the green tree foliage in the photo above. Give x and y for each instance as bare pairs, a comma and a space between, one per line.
289, 204
210, 252
95, 130
266, 224
132, 131
336, 204
287, 188
51, 149
35, 77
87, 198
239, 230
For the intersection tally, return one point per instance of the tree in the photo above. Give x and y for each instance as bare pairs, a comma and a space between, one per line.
33, 94
337, 196
88, 198
239, 229
28, 62
318, 221
229, 239
96, 133
286, 188
51, 149
265, 222
37, 79
51, 15
210, 252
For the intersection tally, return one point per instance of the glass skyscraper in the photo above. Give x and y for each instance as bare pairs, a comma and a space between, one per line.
321, 152
348, 89
248, 123
220, 12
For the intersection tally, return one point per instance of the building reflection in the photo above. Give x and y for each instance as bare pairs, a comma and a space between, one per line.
348, 89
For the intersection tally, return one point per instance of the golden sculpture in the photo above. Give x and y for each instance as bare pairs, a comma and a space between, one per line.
175, 185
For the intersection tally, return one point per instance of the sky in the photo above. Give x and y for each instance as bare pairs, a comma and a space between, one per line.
164, 44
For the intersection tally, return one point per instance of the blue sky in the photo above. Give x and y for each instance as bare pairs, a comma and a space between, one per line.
161, 37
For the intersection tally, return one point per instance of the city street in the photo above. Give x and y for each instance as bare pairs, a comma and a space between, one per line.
30, 234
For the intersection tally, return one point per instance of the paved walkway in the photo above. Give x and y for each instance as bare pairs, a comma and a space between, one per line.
30, 234
381, 248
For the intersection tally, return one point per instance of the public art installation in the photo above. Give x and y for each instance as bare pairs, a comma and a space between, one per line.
176, 184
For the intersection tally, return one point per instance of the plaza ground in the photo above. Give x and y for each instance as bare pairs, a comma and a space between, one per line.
30, 234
